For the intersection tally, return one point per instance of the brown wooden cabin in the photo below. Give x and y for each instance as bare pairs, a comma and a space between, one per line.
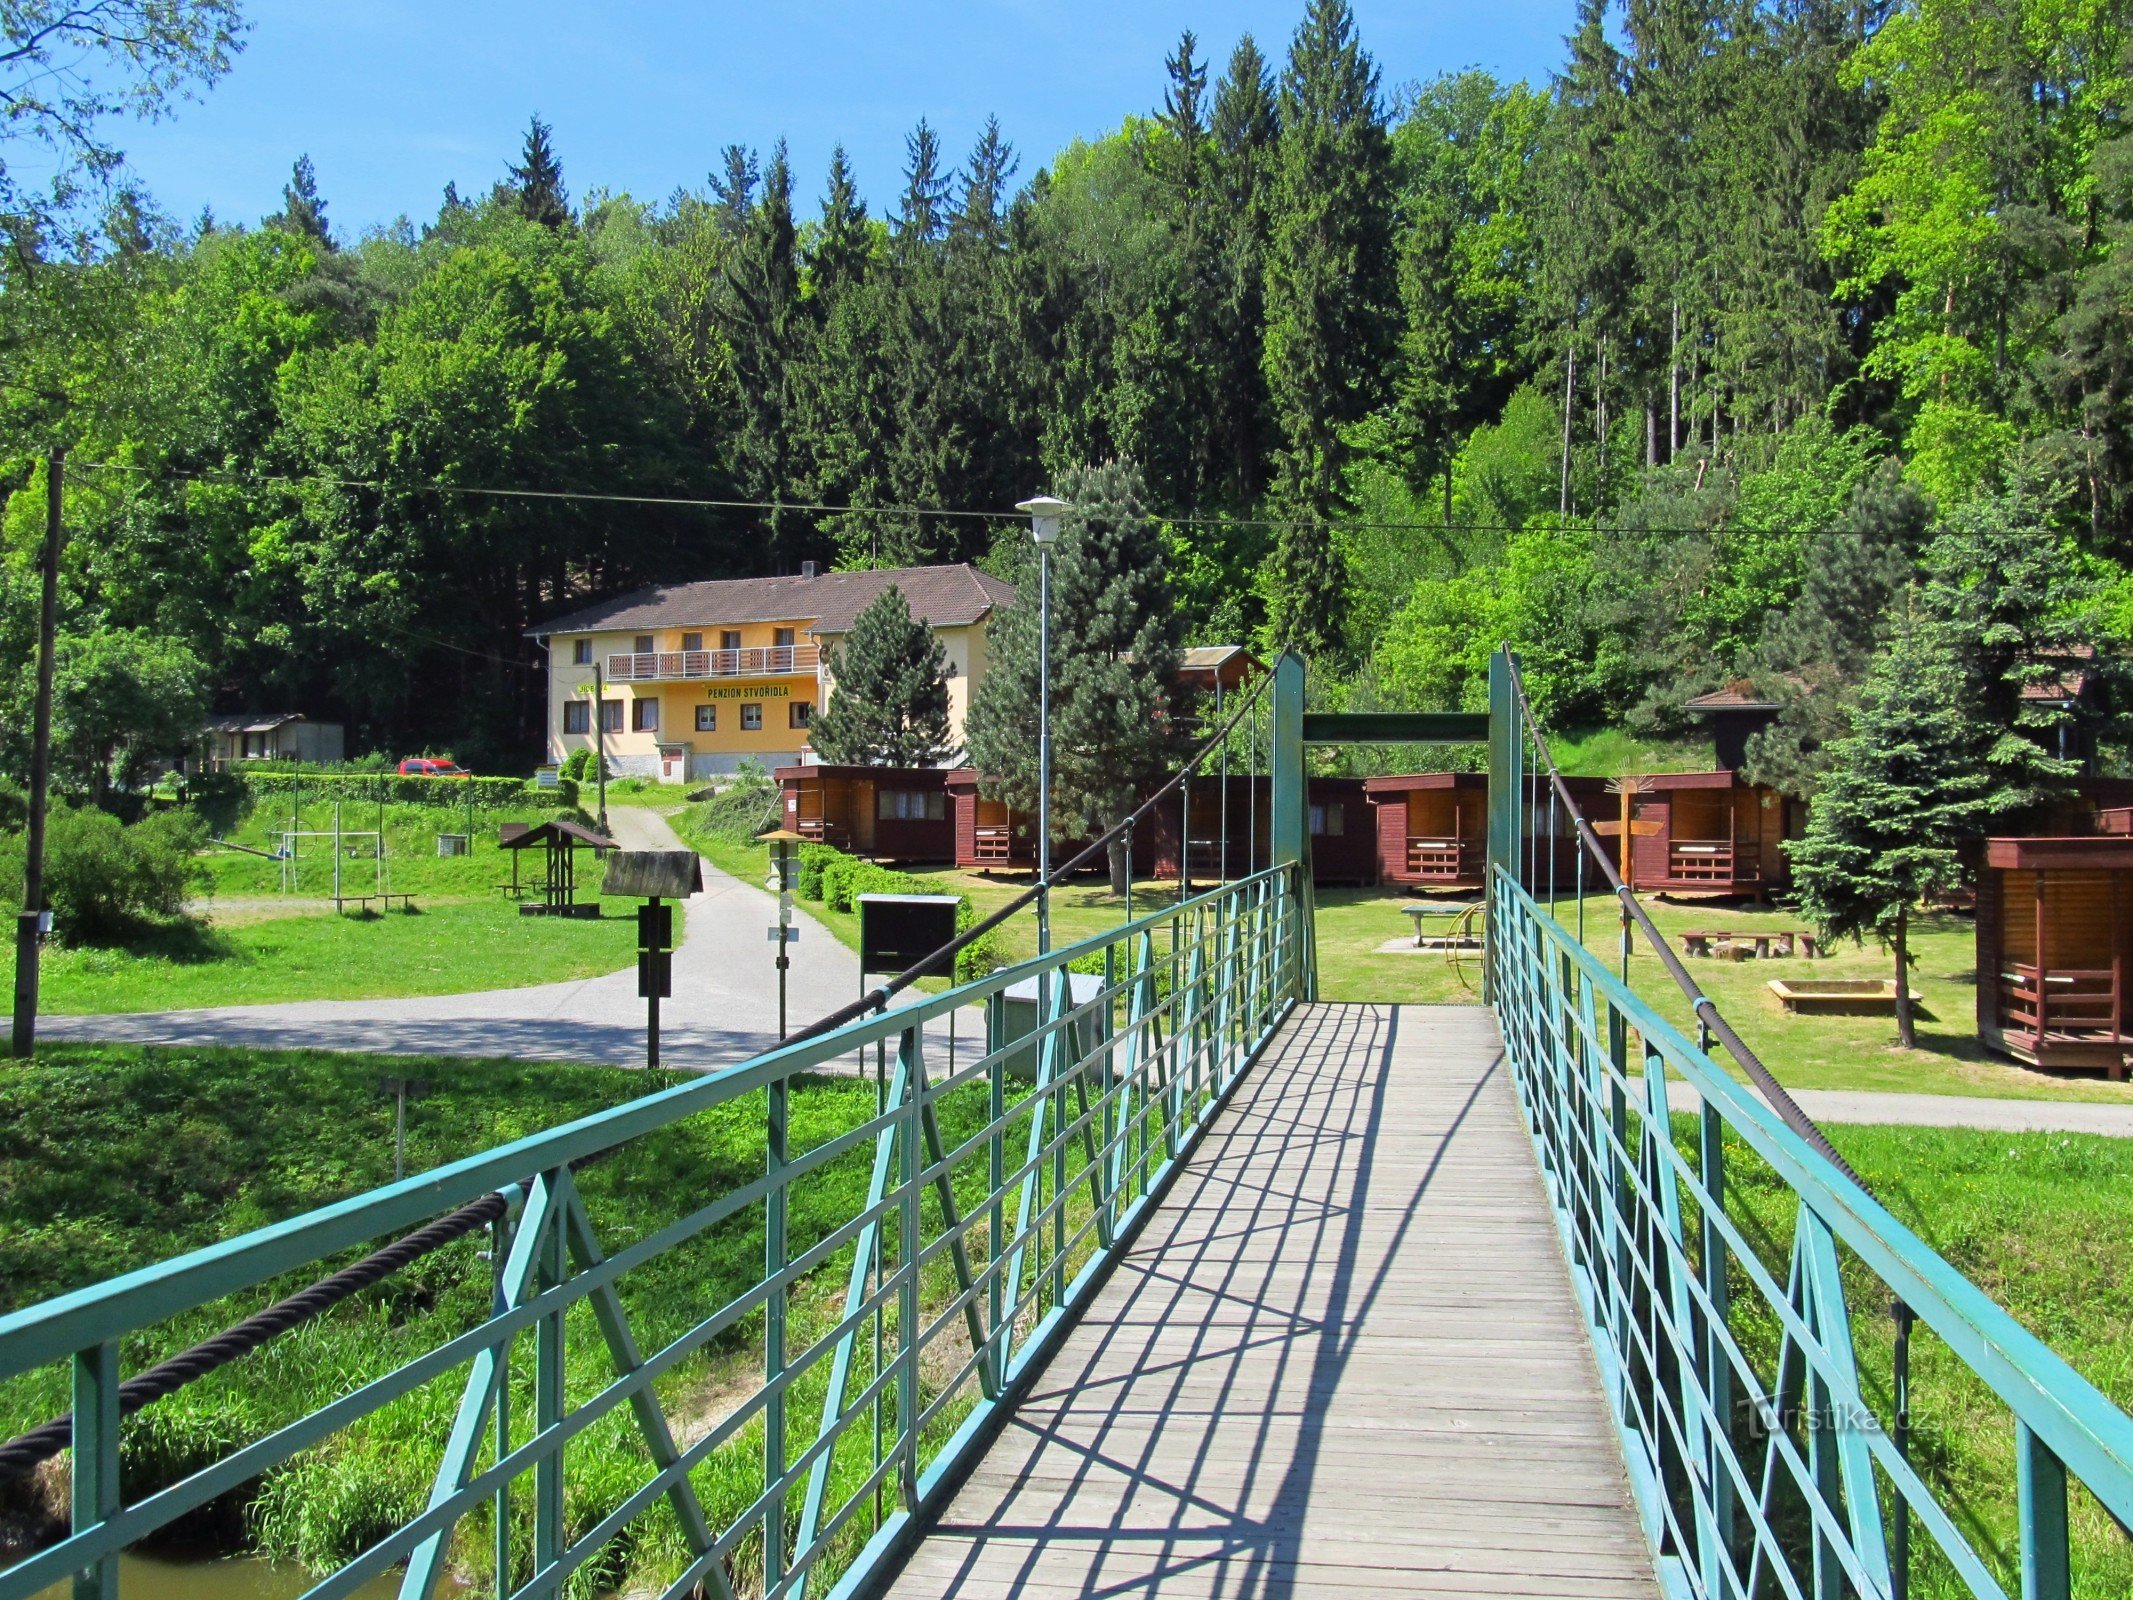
1432, 828
887, 813
2054, 938
1343, 849
1711, 834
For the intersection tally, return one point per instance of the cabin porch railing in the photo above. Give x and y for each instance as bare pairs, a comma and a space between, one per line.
1435, 858
960, 1267
1712, 861
2067, 1003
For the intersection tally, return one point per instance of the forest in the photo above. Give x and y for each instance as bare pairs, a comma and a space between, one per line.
1697, 362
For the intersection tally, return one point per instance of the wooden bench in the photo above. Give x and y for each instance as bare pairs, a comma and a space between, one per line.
363, 901
1761, 945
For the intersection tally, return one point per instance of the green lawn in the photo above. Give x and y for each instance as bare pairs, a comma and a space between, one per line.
448, 947
114, 1157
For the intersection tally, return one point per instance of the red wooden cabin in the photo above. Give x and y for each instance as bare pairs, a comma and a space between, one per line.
888, 813
2054, 935
1432, 828
1710, 834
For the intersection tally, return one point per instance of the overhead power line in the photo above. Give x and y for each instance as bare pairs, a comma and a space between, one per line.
822, 508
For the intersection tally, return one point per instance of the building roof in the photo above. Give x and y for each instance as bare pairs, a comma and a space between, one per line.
1739, 695
252, 721
829, 602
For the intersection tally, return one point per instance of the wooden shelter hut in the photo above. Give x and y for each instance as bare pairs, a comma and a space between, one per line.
2054, 936
1710, 835
990, 835
886, 813
1432, 828
559, 842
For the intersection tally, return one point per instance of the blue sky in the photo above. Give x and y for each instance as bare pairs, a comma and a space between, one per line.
391, 98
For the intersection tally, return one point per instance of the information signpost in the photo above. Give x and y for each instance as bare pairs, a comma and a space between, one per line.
654, 876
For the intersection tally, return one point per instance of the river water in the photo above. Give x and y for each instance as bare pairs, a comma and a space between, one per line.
237, 1578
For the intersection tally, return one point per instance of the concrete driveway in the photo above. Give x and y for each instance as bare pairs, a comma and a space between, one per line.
724, 1008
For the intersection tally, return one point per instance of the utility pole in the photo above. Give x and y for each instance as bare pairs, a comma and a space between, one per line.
600, 740
30, 925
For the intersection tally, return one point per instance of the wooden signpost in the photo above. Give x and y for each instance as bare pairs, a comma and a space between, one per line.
1628, 828
655, 876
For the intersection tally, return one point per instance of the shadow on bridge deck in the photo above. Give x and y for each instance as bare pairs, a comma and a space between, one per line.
1343, 1358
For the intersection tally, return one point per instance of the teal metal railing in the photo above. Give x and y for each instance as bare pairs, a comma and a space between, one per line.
967, 1257
1762, 1357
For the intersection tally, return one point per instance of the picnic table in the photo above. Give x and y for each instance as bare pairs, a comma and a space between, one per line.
1738, 945
342, 902
1421, 911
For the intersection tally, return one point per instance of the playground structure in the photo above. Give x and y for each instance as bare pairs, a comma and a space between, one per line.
345, 847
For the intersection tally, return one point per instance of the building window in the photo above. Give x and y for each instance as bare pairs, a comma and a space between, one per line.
645, 644
729, 638
611, 716
781, 638
692, 641
577, 716
1329, 821
800, 713
707, 719
751, 716
910, 805
581, 652
644, 716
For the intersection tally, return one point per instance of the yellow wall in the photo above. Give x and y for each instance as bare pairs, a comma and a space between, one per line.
776, 742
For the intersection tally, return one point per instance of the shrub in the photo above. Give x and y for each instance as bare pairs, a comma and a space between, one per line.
737, 814
814, 858
838, 880
487, 794
582, 766
103, 880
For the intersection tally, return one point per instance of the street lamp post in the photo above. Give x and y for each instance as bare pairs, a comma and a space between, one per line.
1044, 513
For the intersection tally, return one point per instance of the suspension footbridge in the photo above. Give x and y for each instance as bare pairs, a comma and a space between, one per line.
1204, 1288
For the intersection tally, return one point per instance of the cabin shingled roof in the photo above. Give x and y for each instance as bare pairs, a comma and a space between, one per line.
829, 602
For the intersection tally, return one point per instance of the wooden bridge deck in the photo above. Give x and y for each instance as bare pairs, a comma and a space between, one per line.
1342, 1358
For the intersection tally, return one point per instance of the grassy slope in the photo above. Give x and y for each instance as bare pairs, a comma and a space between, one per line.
114, 1157
260, 945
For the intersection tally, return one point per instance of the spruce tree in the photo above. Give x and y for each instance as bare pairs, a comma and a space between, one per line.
1244, 129
303, 212
1903, 797
1117, 642
890, 706
759, 311
537, 179
922, 217
1330, 296
733, 189
842, 245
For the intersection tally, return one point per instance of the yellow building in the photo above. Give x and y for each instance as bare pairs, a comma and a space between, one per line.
697, 677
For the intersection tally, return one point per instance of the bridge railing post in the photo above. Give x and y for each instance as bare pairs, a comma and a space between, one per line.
1291, 809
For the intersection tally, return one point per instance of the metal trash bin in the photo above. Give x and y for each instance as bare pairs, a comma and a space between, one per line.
1021, 1007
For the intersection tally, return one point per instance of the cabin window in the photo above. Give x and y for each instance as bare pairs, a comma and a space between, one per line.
645, 644
644, 716
692, 641
751, 716
707, 719
800, 713
1329, 821
781, 638
910, 805
729, 639
611, 715
577, 716
581, 652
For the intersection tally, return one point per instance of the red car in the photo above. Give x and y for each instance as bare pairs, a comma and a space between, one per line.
424, 767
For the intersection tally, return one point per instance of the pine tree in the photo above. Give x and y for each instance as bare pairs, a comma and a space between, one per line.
1814, 654
2017, 605
1903, 797
302, 212
1330, 298
1244, 130
890, 705
842, 244
537, 179
1117, 642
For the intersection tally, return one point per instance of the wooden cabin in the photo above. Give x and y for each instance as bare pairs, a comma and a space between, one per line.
1343, 847
989, 834
1431, 829
2054, 937
887, 813
1712, 835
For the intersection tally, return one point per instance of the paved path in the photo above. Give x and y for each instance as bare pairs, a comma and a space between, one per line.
1343, 1359
724, 1008
1945, 1111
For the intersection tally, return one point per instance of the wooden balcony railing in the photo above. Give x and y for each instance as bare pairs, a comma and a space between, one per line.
2069, 1004
672, 666
1713, 861
1439, 860
994, 844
